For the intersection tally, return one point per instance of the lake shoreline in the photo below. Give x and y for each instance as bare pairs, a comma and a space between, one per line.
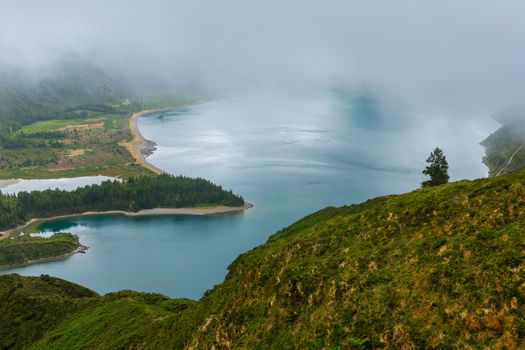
81, 249
202, 211
140, 147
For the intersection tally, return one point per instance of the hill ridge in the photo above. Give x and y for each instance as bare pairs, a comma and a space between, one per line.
434, 268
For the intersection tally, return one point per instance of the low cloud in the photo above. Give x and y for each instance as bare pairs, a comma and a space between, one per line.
466, 56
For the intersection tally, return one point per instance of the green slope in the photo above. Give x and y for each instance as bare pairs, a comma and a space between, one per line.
72, 119
505, 148
73, 88
435, 268
70, 84
32, 305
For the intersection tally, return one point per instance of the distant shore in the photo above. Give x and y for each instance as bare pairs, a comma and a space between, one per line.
218, 209
140, 147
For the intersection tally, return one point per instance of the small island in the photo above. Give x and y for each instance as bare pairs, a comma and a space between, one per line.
25, 249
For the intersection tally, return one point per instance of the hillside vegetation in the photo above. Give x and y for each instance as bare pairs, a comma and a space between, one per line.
25, 99
439, 267
23, 249
75, 88
505, 148
72, 121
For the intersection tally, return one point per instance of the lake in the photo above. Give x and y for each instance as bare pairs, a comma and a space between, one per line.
287, 153
17, 185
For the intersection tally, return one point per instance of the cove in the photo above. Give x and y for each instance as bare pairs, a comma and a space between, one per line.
287, 153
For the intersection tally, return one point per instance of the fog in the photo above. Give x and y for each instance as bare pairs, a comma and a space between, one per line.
462, 57
318, 103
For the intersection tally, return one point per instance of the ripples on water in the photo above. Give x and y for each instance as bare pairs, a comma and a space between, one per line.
289, 154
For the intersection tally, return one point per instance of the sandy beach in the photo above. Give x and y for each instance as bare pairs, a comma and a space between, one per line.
219, 209
139, 147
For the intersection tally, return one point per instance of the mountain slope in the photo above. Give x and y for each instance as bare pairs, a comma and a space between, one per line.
71, 84
505, 148
438, 267
435, 268
31, 305
72, 119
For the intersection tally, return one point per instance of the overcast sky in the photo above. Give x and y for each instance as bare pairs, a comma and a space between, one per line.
464, 53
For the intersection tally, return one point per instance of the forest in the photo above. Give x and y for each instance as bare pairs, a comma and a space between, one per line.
133, 194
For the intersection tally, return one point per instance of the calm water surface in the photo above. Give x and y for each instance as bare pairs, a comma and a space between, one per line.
45, 184
289, 154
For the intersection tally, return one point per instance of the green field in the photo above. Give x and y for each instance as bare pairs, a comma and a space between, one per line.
54, 124
84, 141
73, 122
69, 148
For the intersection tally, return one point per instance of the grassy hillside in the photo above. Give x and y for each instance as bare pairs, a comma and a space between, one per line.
25, 99
31, 305
70, 147
73, 88
22, 249
440, 267
72, 121
505, 148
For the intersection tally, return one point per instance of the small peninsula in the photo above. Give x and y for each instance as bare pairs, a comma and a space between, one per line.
139, 147
143, 195
26, 250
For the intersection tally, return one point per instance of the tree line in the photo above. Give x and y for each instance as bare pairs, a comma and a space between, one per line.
133, 194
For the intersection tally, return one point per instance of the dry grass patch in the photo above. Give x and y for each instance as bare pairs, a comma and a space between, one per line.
81, 127
76, 152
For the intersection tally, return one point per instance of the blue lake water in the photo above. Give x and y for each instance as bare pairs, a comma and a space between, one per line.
44, 184
288, 153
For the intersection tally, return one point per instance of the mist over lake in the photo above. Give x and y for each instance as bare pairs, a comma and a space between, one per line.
287, 152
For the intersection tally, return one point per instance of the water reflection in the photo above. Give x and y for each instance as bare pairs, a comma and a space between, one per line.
289, 154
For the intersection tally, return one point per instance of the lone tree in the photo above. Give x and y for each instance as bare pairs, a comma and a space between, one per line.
437, 169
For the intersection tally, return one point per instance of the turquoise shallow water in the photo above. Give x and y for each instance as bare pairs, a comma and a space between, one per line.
289, 154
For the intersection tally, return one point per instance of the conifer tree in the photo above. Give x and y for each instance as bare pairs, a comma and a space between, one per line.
437, 169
